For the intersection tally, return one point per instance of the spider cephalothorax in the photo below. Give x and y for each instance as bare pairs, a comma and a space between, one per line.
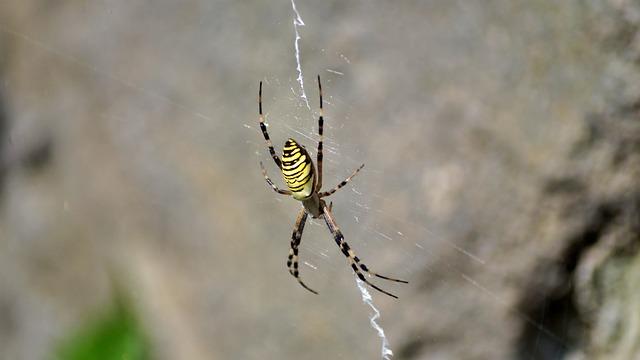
304, 185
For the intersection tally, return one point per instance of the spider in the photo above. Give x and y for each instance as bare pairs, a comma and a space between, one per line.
305, 185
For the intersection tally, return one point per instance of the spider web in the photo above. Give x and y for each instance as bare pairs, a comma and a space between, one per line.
360, 208
386, 351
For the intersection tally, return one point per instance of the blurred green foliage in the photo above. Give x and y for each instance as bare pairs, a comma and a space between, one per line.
113, 335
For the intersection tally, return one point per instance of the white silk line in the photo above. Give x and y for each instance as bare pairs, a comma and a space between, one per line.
297, 21
366, 298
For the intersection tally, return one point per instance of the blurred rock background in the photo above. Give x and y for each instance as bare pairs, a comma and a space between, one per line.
501, 142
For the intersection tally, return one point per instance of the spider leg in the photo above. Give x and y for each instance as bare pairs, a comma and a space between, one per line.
263, 127
343, 183
365, 269
320, 132
296, 237
275, 188
351, 256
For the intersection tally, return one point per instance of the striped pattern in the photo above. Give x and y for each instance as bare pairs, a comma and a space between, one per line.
299, 173
357, 266
263, 128
296, 237
297, 170
320, 132
343, 183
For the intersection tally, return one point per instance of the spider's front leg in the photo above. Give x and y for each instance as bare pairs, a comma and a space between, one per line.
296, 237
356, 265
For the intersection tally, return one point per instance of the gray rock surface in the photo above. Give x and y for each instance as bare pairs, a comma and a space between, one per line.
501, 142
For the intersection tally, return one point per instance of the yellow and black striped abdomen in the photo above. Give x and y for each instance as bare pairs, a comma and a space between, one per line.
297, 170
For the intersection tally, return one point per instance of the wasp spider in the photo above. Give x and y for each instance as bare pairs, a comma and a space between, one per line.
305, 185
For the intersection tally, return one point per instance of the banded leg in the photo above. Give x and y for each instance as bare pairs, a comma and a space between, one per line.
320, 132
273, 186
356, 265
263, 127
296, 237
343, 183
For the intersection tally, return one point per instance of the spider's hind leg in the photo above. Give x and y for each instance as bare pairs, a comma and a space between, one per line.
265, 133
320, 133
270, 182
343, 183
296, 238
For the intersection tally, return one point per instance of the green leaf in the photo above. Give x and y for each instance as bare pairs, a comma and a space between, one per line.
116, 335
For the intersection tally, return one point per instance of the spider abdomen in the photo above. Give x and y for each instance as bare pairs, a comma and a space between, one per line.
297, 170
